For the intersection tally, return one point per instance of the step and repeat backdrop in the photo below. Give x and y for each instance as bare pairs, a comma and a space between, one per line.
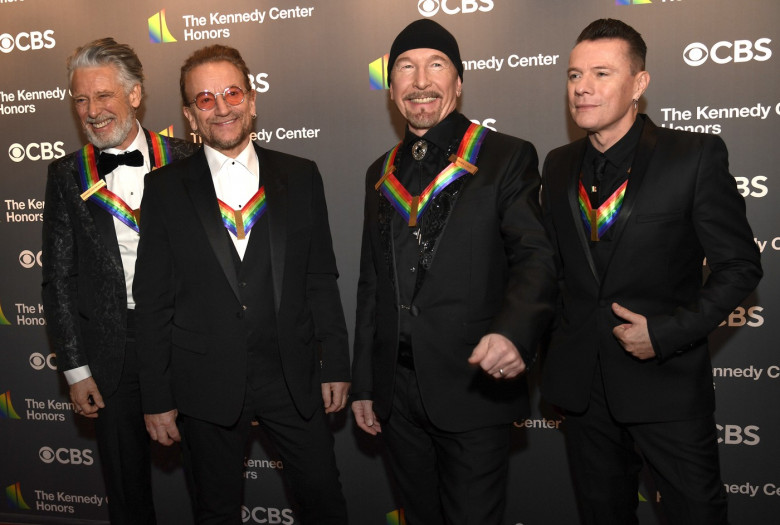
318, 69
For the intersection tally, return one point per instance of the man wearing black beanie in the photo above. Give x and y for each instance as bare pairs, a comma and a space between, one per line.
457, 283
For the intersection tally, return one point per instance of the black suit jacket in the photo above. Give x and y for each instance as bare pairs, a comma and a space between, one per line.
681, 205
192, 331
492, 271
84, 291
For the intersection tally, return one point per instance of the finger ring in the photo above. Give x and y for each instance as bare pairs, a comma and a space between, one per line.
77, 410
501, 371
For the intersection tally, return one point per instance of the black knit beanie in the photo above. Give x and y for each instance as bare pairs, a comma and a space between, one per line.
425, 33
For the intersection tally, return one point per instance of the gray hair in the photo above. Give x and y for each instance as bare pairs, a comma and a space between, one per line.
107, 52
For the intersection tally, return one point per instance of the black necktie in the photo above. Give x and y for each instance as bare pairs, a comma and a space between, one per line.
599, 168
108, 162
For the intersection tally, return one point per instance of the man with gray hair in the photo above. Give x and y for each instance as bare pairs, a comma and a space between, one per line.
90, 236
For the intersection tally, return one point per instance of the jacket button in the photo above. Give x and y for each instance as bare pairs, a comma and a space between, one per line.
242, 284
414, 310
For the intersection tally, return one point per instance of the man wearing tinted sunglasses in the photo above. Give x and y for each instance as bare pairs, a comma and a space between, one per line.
239, 313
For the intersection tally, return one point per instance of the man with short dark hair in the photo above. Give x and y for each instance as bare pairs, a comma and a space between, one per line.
633, 210
90, 239
457, 283
239, 314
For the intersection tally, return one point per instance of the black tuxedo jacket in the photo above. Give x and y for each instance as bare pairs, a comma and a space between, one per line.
84, 290
492, 272
192, 331
681, 205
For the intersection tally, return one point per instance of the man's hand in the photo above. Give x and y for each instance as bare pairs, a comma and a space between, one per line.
633, 335
365, 417
498, 356
86, 398
334, 396
162, 427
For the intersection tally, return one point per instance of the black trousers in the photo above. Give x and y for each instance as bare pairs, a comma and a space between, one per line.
682, 457
453, 478
214, 456
123, 445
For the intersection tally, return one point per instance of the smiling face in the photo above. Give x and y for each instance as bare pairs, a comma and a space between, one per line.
602, 88
224, 127
425, 86
105, 110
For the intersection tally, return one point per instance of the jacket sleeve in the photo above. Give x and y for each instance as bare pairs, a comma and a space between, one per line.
529, 299
365, 315
322, 292
60, 274
153, 291
723, 231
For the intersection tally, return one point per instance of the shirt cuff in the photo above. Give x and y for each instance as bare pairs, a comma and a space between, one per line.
74, 375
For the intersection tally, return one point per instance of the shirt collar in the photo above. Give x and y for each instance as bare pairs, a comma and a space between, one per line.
247, 158
441, 135
621, 152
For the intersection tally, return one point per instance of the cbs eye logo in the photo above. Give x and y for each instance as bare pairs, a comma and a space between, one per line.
36, 151
38, 361
723, 52
428, 7
66, 456
25, 41
28, 259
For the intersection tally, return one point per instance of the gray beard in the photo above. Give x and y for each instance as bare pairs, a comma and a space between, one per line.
115, 138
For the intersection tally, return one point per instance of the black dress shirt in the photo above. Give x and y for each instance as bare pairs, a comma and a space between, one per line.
618, 159
415, 175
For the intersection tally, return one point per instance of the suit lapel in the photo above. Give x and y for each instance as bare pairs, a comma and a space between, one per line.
201, 191
104, 223
276, 198
573, 171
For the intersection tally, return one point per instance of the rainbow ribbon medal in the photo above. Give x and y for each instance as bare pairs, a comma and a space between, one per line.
95, 188
598, 221
411, 207
239, 222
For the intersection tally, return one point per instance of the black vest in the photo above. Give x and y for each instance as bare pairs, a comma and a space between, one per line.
255, 284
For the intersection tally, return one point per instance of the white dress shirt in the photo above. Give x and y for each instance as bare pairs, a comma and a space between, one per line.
235, 181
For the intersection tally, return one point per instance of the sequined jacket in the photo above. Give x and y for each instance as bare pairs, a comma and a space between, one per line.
84, 291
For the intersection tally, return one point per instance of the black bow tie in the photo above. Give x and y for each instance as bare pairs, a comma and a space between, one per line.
108, 162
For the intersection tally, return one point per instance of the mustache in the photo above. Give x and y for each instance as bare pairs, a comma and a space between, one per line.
99, 118
422, 94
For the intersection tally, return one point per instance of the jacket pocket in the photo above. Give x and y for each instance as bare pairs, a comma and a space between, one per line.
659, 217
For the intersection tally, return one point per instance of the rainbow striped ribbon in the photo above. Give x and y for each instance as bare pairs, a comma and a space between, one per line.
95, 188
606, 214
239, 222
411, 207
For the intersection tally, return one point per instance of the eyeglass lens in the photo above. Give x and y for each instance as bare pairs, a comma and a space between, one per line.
207, 100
